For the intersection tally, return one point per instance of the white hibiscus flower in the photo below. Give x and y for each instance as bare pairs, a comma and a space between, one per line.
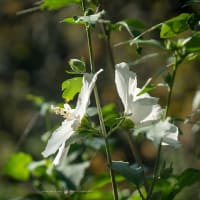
72, 118
141, 109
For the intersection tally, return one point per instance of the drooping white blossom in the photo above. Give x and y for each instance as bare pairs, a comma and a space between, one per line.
141, 109
72, 118
161, 131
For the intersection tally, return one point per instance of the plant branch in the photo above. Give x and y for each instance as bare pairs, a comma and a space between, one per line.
171, 87
102, 125
155, 172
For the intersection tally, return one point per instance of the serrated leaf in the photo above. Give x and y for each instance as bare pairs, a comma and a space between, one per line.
17, 166
56, 4
131, 172
176, 25
71, 87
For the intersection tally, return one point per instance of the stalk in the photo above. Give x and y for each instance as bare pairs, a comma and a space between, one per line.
102, 125
171, 87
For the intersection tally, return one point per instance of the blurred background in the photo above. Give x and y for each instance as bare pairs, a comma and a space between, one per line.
34, 52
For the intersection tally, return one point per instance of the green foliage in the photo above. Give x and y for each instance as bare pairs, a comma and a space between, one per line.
193, 44
110, 115
146, 89
94, 195
176, 25
71, 87
191, 2
132, 173
17, 166
168, 187
133, 26
56, 4
77, 66
36, 99
36, 196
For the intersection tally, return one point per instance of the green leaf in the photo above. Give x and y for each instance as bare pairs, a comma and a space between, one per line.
188, 177
56, 4
103, 180
110, 115
94, 195
193, 44
175, 25
17, 166
127, 124
170, 187
146, 89
78, 66
71, 87
191, 2
131, 25
130, 172
36, 196
36, 99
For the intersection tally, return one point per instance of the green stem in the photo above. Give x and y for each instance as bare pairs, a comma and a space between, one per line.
155, 172
171, 87
102, 125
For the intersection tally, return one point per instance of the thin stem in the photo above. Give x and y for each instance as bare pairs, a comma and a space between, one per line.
140, 193
108, 45
102, 125
171, 87
155, 172
27, 129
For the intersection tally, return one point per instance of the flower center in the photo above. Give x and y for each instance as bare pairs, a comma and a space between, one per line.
66, 113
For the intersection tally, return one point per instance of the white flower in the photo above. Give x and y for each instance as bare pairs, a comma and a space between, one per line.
72, 117
162, 130
141, 109
196, 101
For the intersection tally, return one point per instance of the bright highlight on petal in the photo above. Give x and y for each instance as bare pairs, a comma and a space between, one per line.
72, 118
142, 109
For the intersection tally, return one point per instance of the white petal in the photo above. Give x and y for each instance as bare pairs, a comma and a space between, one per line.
84, 95
59, 154
59, 136
196, 101
164, 131
145, 111
126, 83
